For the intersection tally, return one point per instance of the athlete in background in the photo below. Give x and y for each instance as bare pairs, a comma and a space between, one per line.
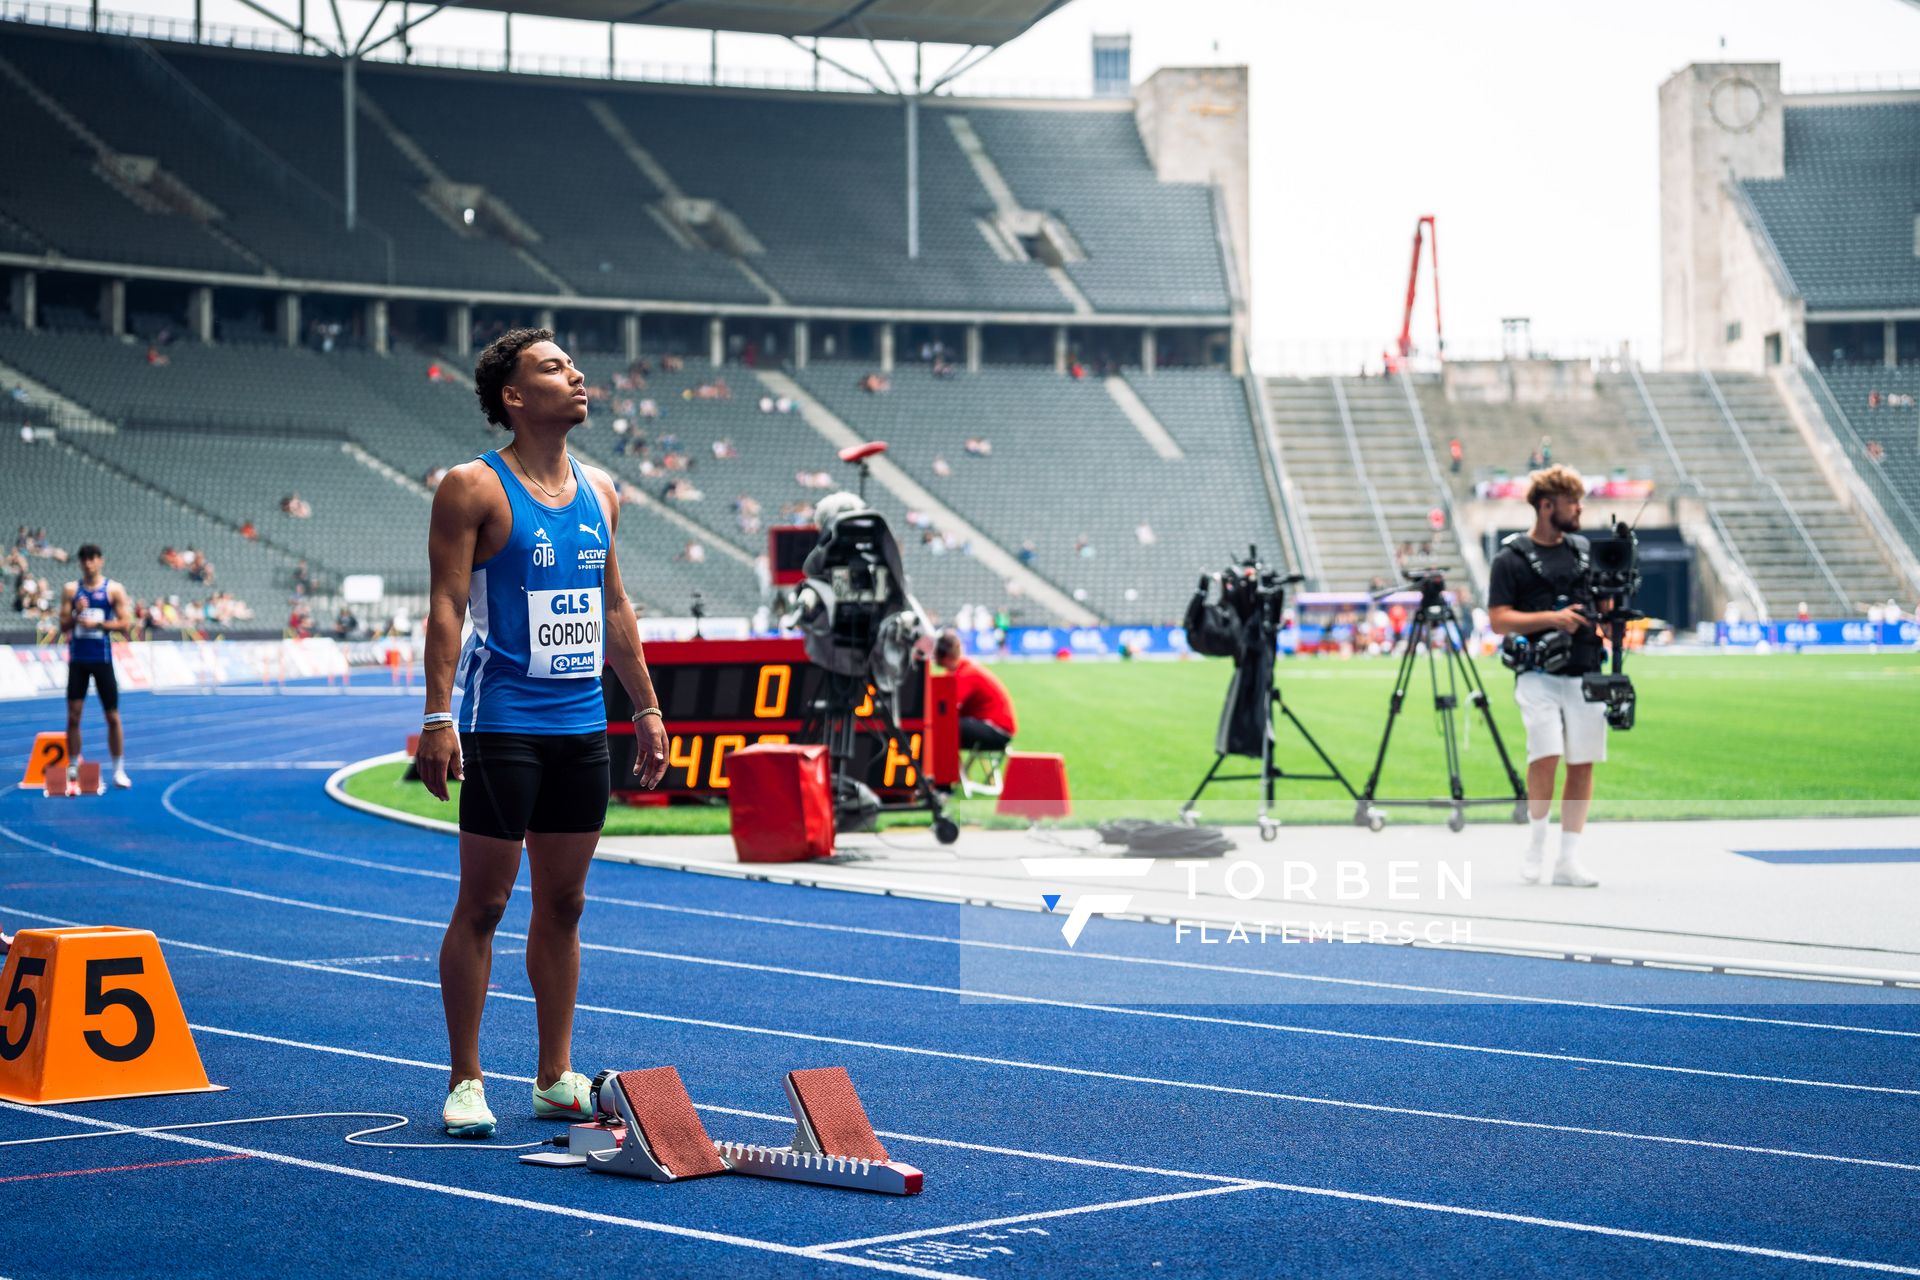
93, 611
522, 542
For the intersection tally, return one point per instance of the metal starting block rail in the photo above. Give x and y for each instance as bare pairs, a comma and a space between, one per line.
645, 1126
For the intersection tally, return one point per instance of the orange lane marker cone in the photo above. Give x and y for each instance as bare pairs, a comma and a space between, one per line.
89, 1013
49, 752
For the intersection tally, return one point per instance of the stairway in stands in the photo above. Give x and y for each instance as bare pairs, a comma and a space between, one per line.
1799, 544
1364, 494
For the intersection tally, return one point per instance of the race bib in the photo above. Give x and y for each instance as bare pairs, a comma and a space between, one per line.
563, 634
90, 628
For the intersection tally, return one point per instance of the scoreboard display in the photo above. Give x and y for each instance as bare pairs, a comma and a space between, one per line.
721, 695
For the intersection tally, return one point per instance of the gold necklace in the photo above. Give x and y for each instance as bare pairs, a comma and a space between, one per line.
522, 464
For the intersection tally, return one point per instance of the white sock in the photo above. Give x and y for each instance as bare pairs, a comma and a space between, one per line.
1537, 841
119, 763
1569, 844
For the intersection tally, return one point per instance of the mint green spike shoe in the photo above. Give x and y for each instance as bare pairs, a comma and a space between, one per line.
568, 1098
465, 1115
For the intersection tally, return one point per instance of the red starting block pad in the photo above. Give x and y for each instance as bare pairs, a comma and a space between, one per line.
645, 1126
87, 784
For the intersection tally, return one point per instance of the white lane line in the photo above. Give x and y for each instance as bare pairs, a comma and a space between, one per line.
969, 993
1237, 1184
984, 1223
1053, 952
1053, 1068
512, 1202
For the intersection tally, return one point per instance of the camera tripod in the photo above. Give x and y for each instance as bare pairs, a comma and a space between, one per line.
1270, 771
1435, 621
1263, 613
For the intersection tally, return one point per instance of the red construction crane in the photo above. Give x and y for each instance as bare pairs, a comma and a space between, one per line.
1425, 227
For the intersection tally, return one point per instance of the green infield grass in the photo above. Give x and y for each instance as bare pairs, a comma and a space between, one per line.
1747, 736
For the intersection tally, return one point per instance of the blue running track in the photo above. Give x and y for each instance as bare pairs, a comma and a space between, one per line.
1250, 1112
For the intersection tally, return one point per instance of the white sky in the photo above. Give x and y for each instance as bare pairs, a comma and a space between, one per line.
1528, 127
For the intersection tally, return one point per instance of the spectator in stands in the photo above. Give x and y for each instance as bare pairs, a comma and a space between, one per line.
1876, 451
987, 721
202, 571
302, 580
300, 620
649, 410
1083, 547
1873, 399
876, 384
296, 506
1546, 451
681, 489
345, 624
1027, 551
766, 404
978, 447
1143, 533
723, 449
248, 532
433, 478
156, 357
1437, 519
1457, 453
1076, 370
941, 467
1801, 612
694, 552
943, 367
671, 363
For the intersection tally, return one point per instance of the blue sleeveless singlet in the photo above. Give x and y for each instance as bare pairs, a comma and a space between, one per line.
532, 663
90, 642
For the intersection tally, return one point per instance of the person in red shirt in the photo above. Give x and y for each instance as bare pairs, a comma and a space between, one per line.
987, 722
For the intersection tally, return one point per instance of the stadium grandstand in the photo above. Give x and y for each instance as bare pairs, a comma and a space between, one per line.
1005, 291
198, 309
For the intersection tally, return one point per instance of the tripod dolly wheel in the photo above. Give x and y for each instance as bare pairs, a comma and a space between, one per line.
1520, 813
1370, 817
945, 830
1189, 816
1269, 830
1456, 821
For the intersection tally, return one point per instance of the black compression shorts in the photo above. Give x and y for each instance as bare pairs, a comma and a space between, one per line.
550, 784
101, 673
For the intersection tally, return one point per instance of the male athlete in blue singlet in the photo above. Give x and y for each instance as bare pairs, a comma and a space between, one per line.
93, 611
522, 543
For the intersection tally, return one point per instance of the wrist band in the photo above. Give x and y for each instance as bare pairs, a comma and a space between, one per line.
431, 725
644, 712
438, 717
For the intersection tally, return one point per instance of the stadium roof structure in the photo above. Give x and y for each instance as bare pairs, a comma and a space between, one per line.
987, 23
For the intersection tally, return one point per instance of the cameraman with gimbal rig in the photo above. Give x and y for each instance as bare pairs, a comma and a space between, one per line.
1540, 596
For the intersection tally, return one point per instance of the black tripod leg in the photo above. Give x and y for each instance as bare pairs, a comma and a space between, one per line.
1194, 799
1332, 768
1416, 635
1499, 744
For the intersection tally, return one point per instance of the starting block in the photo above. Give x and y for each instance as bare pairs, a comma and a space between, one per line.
413, 759
645, 1126
87, 784
91, 1013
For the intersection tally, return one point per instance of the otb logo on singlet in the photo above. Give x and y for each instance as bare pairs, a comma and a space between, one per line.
563, 633
543, 556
